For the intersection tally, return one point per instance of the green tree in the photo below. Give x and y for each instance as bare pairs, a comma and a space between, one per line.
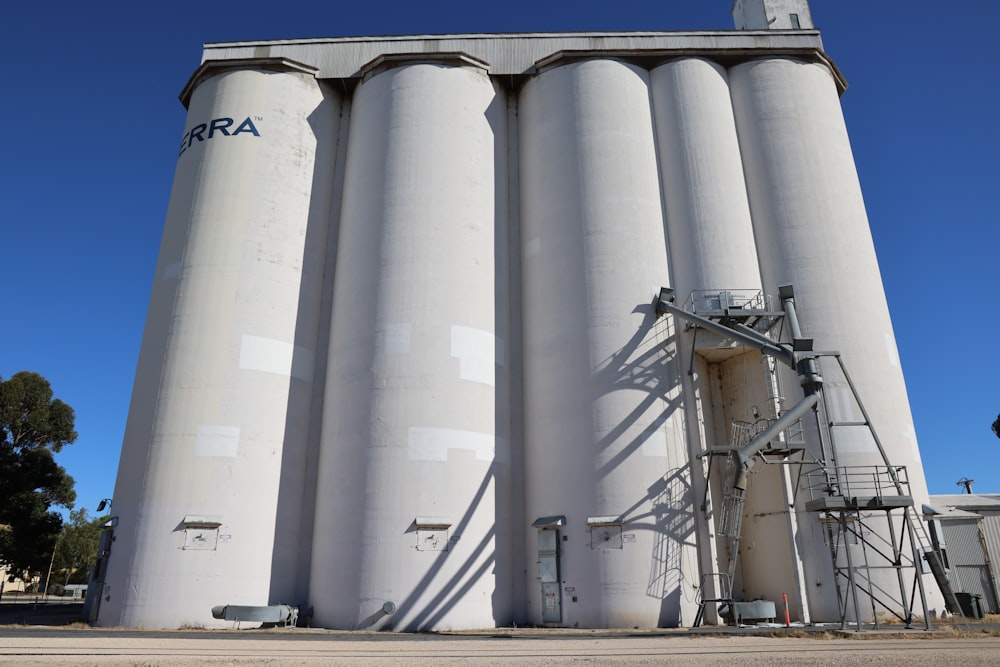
996, 426
77, 547
33, 427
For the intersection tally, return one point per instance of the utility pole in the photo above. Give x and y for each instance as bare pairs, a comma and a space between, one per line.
967, 483
51, 563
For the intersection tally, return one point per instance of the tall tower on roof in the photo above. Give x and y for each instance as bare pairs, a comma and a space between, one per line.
772, 15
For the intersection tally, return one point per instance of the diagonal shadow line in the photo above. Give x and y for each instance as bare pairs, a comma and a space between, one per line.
434, 603
654, 425
460, 527
446, 606
647, 373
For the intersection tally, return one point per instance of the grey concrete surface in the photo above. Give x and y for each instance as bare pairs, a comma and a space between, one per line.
40, 646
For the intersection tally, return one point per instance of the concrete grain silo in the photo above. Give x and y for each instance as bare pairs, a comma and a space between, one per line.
408, 364
218, 433
607, 485
412, 497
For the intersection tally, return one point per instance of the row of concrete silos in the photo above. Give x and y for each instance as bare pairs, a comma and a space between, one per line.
401, 360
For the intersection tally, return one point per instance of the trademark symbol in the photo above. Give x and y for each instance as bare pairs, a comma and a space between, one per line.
257, 118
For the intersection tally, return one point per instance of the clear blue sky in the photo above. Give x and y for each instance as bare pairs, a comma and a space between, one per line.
90, 122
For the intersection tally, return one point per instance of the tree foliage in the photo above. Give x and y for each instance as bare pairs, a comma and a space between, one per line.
77, 547
996, 426
33, 427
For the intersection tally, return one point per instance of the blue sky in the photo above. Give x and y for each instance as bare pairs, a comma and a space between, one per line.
91, 121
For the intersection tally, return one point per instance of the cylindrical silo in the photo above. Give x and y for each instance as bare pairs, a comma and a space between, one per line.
713, 259
218, 428
812, 231
411, 516
607, 482
708, 215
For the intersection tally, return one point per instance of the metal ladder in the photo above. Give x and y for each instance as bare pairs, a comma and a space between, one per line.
923, 545
731, 519
724, 594
730, 526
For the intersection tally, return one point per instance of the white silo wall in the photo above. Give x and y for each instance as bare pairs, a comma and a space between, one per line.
708, 216
413, 457
712, 247
812, 231
216, 435
603, 422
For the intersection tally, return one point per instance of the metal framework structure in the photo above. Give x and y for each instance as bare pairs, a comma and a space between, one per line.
871, 524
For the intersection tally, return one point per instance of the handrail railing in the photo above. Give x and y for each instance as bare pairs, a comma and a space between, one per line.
876, 482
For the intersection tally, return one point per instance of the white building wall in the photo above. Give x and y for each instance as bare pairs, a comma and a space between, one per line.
412, 428
217, 434
772, 15
604, 426
708, 216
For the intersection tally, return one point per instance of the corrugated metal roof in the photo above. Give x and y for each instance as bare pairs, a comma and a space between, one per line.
945, 512
967, 501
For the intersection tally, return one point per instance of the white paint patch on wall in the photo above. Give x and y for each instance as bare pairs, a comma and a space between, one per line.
532, 247
172, 271
478, 353
890, 345
655, 445
275, 356
911, 438
433, 444
393, 339
213, 440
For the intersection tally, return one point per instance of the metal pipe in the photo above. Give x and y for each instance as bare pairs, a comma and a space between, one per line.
747, 451
782, 354
808, 367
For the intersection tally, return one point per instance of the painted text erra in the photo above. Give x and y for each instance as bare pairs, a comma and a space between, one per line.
217, 126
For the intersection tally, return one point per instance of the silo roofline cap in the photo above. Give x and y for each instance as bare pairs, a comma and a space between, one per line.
649, 58
211, 67
390, 60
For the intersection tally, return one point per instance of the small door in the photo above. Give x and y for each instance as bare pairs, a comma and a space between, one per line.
551, 603
548, 573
